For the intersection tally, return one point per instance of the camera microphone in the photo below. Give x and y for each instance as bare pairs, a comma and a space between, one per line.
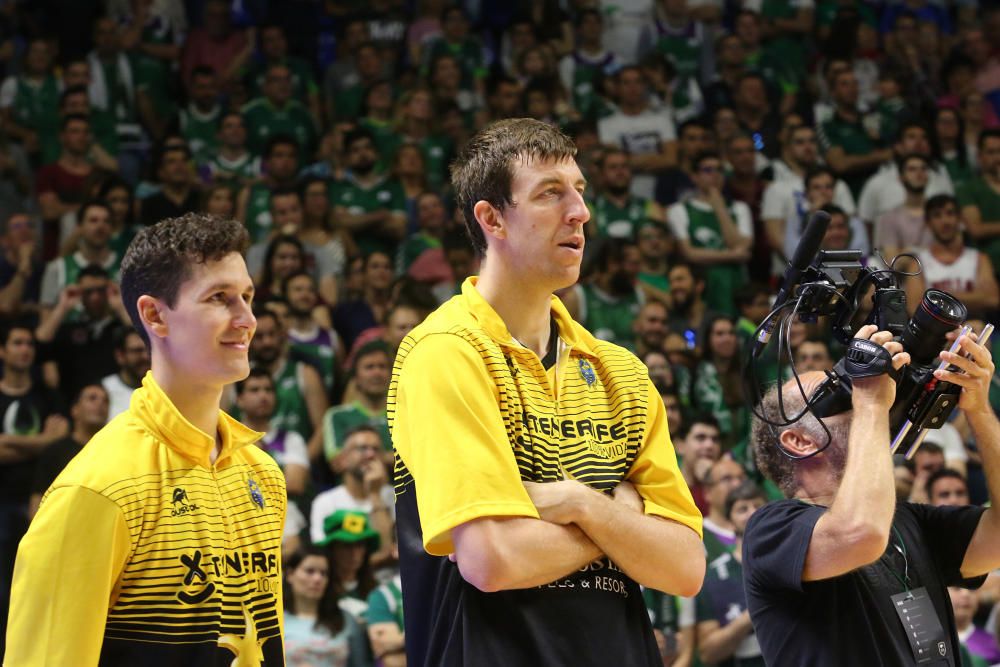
805, 253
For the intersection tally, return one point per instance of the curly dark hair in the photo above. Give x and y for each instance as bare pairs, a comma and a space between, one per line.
485, 168
160, 257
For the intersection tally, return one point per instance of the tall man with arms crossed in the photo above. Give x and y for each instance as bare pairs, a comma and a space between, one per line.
842, 574
536, 485
160, 543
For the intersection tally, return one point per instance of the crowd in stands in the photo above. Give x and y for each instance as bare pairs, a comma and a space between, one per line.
708, 131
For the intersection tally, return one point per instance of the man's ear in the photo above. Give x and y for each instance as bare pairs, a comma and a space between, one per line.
151, 315
798, 442
490, 220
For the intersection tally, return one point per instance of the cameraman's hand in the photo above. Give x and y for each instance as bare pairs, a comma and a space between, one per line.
978, 370
879, 391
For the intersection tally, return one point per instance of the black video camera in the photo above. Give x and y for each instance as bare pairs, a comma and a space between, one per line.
834, 284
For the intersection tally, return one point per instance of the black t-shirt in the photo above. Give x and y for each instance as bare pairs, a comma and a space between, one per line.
24, 415
159, 207
672, 186
595, 617
850, 619
84, 350
52, 461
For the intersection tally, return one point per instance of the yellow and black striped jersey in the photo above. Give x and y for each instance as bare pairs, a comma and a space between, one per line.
473, 415
145, 553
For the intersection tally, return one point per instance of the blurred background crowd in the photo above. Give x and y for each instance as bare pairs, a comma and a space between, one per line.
708, 131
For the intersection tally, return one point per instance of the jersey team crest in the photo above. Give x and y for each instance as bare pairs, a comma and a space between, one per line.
256, 495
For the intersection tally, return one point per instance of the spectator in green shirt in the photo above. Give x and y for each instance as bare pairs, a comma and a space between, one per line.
276, 112
424, 245
980, 197
614, 210
417, 125
199, 120
232, 164
455, 40
28, 102
281, 166
369, 204
847, 146
102, 126
274, 51
370, 372
346, 103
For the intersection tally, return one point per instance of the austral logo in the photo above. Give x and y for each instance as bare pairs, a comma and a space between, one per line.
180, 501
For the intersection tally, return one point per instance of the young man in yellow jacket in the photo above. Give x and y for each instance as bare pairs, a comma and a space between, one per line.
160, 543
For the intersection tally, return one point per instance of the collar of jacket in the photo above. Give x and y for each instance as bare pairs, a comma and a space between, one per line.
494, 326
151, 406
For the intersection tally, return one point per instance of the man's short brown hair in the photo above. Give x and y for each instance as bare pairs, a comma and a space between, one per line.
160, 257
484, 170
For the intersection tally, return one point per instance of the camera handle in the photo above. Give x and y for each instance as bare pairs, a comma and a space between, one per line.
935, 405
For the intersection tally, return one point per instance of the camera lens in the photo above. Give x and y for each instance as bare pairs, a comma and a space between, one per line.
925, 333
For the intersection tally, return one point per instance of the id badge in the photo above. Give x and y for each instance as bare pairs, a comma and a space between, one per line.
927, 638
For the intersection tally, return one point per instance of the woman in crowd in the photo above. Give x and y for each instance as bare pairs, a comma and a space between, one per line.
118, 195
285, 256
328, 246
410, 168
351, 317
317, 632
219, 200
949, 133
349, 540
716, 385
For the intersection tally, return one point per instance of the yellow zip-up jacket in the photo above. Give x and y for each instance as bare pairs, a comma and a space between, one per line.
145, 553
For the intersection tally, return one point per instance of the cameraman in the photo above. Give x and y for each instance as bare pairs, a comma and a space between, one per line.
839, 574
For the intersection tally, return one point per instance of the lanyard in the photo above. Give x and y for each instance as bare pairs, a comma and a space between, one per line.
901, 548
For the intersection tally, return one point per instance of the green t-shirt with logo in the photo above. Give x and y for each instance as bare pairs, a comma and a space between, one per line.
682, 47
342, 419
469, 54
587, 72
610, 318
201, 131
263, 120
707, 395
153, 75
620, 222
853, 139
36, 107
303, 82
234, 173
258, 215
437, 152
723, 280
960, 173
977, 192
386, 193
290, 411
319, 351
663, 610
789, 51
385, 604
386, 140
